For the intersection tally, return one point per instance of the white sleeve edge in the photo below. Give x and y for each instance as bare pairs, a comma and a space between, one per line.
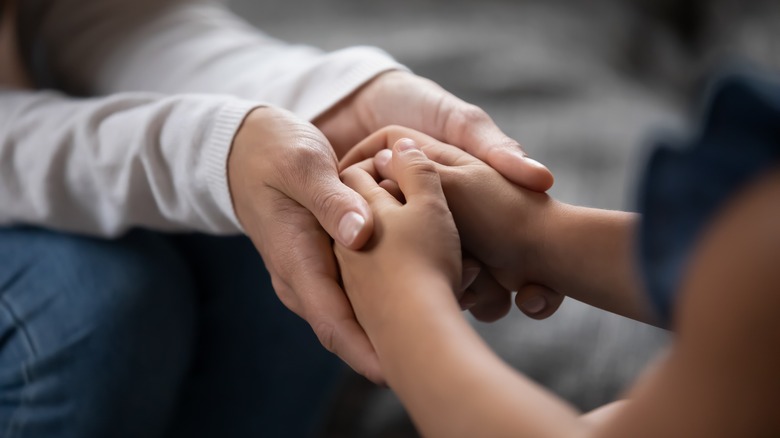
217, 151
349, 69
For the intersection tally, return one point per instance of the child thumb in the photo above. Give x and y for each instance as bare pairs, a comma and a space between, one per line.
416, 174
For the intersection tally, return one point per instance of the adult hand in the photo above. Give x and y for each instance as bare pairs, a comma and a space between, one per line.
288, 197
402, 98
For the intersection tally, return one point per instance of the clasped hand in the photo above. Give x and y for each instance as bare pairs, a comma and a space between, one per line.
284, 180
499, 223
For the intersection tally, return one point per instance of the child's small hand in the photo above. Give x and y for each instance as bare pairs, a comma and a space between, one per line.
414, 244
500, 223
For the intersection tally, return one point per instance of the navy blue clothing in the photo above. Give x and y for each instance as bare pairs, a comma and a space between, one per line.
684, 187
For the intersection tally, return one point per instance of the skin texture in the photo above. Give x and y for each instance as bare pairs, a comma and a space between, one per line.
287, 194
402, 98
719, 378
271, 184
284, 179
482, 228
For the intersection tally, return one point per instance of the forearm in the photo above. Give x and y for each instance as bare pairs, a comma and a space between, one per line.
180, 46
589, 254
101, 166
451, 382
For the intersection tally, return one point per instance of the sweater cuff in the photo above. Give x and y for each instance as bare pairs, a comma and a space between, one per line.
216, 153
339, 74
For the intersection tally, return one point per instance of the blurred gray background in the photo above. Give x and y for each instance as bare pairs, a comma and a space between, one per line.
584, 85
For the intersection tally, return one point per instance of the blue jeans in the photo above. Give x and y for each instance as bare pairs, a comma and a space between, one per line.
151, 335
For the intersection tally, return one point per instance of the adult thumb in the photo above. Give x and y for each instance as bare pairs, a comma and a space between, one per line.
343, 213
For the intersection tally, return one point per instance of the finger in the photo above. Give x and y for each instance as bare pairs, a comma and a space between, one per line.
383, 161
448, 155
493, 301
444, 155
468, 300
416, 175
325, 306
359, 179
486, 142
383, 138
392, 188
537, 301
470, 127
338, 331
310, 177
299, 256
367, 148
470, 269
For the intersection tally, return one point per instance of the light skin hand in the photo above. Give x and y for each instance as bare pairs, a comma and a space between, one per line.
402, 98
496, 220
289, 199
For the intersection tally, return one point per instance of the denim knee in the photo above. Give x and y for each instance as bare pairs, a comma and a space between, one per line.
95, 335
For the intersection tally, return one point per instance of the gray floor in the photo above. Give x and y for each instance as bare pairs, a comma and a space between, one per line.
585, 87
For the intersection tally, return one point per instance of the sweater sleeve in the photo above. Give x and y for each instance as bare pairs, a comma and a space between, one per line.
183, 46
100, 166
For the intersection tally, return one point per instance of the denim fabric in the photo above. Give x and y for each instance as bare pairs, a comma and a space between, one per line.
151, 336
685, 186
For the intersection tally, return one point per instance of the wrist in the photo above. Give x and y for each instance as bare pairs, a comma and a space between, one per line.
412, 294
535, 238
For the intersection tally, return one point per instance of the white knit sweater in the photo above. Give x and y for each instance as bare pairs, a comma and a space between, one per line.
168, 84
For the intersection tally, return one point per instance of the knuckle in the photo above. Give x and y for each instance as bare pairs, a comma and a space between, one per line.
306, 157
391, 129
436, 205
328, 202
425, 171
308, 153
464, 118
280, 286
350, 173
286, 293
370, 374
326, 334
471, 114
508, 144
419, 164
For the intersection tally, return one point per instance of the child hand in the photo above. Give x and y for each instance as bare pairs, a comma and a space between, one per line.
500, 223
415, 243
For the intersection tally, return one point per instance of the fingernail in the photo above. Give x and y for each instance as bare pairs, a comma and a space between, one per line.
350, 227
405, 144
514, 153
534, 163
517, 153
468, 301
383, 157
534, 305
469, 275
